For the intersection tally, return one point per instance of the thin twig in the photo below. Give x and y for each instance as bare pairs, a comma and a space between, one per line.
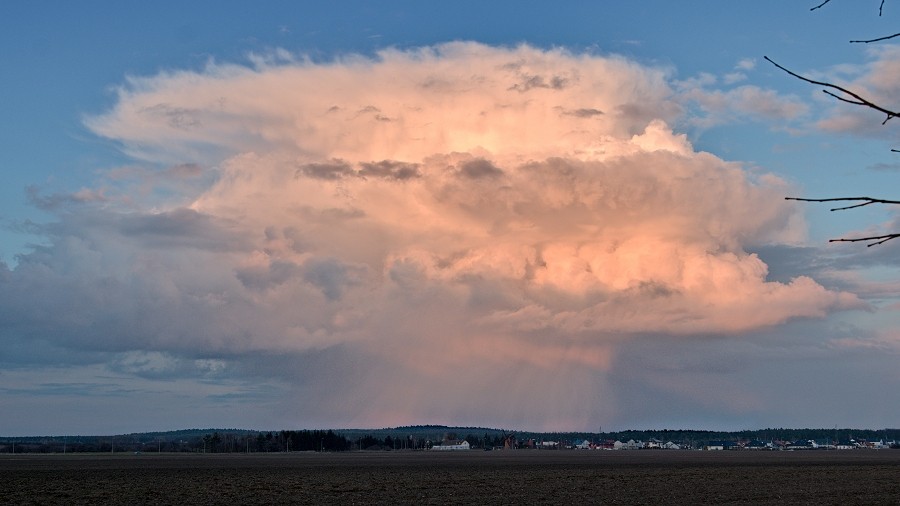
865, 201
843, 99
879, 239
879, 39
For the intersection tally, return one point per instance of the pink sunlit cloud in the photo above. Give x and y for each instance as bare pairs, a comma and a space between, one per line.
416, 228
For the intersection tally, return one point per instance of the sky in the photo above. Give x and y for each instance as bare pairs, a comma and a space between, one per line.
521, 215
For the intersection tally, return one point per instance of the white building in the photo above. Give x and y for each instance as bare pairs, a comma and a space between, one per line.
631, 444
449, 447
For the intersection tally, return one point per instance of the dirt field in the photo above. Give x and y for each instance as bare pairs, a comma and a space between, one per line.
475, 477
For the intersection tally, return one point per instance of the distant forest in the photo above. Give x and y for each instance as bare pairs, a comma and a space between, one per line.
399, 438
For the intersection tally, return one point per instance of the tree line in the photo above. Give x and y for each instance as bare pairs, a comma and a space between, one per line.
402, 438
215, 441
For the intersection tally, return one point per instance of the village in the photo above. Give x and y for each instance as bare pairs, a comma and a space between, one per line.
511, 443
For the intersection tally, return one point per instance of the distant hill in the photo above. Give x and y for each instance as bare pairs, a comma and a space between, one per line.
429, 432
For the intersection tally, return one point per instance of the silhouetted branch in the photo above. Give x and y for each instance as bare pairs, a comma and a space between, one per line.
879, 239
859, 100
855, 99
879, 39
865, 201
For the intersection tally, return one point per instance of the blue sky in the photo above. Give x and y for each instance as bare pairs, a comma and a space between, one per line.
170, 261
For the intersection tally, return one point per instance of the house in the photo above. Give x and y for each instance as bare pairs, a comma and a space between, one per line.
876, 445
653, 443
633, 445
758, 445
583, 445
802, 444
607, 445
464, 445
716, 445
846, 445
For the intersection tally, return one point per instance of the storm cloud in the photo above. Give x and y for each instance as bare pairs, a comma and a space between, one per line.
437, 234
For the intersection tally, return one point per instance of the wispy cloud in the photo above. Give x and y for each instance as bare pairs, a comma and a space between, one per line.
742, 103
714, 100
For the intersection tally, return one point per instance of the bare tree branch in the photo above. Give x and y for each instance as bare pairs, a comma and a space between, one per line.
879, 239
855, 99
879, 39
864, 201
843, 99
859, 100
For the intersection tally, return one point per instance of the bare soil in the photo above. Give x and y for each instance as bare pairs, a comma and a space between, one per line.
474, 477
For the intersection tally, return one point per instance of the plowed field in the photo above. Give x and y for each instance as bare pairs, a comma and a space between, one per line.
474, 477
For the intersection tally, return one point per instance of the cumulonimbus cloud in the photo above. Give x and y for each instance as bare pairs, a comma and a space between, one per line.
425, 211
